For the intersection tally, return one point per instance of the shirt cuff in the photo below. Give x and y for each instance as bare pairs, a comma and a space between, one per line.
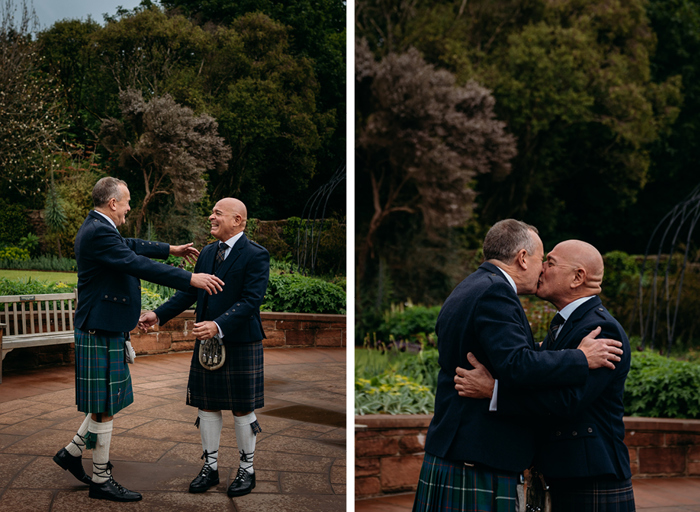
493, 406
221, 333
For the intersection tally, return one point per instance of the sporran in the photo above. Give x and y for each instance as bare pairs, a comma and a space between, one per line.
212, 353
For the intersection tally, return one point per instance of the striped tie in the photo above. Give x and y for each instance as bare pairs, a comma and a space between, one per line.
220, 255
554, 327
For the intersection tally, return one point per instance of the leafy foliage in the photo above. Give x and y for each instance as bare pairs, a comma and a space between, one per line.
14, 254
392, 394
31, 114
170, 145
393, 382
31, 287
13, 222
661, 387
41, 263
294, 293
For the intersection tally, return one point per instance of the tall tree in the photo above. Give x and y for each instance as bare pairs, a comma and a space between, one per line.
170, 146
31, 115
421, 142
572, 81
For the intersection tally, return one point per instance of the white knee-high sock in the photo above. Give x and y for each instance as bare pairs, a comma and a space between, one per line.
210, 425
100, 454
247, 428
76, 446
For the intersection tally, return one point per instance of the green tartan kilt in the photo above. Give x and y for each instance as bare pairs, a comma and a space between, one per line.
102, 378
445, 486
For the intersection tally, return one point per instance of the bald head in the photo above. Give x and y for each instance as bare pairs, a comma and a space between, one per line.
573, 269
583, 255
228, 218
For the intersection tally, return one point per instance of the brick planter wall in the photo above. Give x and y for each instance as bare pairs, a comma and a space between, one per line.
281, 329
389, 450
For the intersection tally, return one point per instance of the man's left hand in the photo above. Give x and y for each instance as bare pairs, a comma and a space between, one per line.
476, 383
205, 330
185, 251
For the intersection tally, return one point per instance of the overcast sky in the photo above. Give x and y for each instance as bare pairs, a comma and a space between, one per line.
50, 11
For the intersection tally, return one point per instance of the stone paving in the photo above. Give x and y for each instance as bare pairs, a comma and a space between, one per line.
300, 457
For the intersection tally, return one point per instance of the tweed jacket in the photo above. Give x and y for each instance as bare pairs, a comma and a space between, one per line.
236, 309
109, 269
483, 315
581, 433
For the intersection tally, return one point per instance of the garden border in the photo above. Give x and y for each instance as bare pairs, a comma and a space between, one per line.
389, 450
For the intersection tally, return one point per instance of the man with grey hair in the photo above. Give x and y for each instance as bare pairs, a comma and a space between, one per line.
472, 458
109, 304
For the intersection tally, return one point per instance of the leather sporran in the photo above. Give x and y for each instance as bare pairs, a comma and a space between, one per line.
212, 353
537, 497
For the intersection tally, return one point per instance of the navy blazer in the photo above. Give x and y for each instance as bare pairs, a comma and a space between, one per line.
582, 432
483, 315
109, 269
236, 309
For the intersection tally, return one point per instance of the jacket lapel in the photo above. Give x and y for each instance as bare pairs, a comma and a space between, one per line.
571, 322
233, 255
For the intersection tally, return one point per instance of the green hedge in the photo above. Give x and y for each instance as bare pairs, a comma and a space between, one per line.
294, 293
41, 263
13, 223
661, 387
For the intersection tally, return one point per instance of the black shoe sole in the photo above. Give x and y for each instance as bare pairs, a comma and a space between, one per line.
59, 462
197, 490
235, 494
112, 498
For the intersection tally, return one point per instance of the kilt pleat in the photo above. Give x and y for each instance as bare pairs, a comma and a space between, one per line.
584, 495
236, 386
102, 377
451, 486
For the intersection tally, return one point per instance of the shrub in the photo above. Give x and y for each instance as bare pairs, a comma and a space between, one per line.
394, 382
14, 254
13, 222
294, 293
31, 287
392, 394
41, 263
408, 323
660, 387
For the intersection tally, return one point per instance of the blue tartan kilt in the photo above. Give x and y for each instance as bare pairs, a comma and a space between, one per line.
451, 486
236, 386
584, 495
102, 378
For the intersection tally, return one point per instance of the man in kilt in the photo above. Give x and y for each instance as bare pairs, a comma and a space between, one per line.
109, 304
473, 457
233, 316
580, 446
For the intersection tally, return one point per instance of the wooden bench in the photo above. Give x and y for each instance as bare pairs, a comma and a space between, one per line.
36, 320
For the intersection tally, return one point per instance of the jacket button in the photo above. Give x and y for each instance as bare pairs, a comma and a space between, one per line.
574, 433
123, 300
226, 314
557, 433
106, 297
590, 430
233, 310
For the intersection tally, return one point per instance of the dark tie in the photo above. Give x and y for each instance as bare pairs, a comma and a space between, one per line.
220, 255
554, 326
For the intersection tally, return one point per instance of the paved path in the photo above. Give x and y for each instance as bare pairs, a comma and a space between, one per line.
650, 495
300, 457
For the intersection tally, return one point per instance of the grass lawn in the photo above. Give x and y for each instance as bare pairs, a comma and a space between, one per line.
39, 275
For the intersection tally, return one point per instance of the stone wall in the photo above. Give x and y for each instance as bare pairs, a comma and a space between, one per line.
389, 450
281, 329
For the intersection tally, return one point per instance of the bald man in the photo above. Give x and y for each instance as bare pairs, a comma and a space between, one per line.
579, 448
234, 316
